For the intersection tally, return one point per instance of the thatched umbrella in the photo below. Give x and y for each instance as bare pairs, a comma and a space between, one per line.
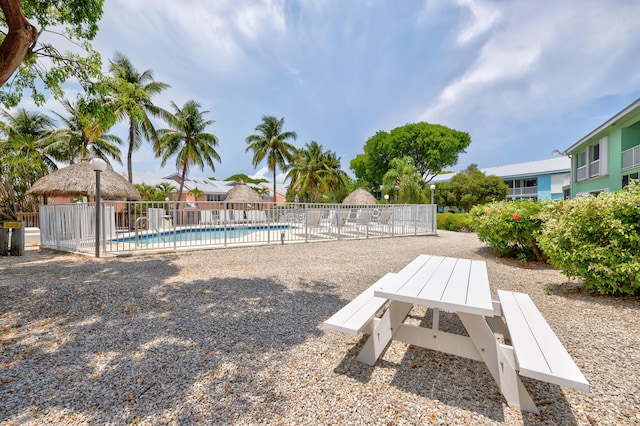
360, 197
80, 179
242, 193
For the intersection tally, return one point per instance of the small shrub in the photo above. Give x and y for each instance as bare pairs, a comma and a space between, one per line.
596, 239
510, 228
458, 222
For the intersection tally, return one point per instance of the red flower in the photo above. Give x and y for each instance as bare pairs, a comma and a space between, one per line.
516, 217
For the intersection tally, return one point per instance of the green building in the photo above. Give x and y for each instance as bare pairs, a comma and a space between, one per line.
609, 156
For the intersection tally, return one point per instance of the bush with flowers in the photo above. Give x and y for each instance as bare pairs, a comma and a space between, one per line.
596, 239
510, 228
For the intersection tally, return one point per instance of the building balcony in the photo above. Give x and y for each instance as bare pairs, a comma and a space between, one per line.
631, 158
524, 191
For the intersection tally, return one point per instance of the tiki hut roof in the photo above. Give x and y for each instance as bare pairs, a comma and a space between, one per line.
242, 193
80, 179
359, 196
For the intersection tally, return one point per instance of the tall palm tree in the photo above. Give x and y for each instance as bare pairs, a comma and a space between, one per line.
271, 142
133, 92
187, 139
308, 173
83, 134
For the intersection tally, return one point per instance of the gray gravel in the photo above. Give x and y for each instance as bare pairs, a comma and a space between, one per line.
235, 336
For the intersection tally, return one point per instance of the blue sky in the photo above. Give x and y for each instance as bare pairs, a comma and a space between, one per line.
522, 78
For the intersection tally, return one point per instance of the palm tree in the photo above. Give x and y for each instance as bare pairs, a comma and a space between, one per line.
336, 177
271, 142
308, 173
29, 133
133, 92
83, 134
165, 189
187, 139
314, 171
23, 158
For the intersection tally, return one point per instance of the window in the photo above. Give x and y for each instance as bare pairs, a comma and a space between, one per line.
593, 162
627, 178
213, 197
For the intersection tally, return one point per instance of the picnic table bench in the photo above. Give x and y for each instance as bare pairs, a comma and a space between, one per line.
462, 286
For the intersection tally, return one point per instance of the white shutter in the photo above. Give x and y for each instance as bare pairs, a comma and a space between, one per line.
604, 156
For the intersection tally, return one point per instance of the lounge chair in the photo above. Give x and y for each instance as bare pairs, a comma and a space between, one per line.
207, 217
256, 216
238, 216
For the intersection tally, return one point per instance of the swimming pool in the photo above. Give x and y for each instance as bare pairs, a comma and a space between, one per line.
198, 235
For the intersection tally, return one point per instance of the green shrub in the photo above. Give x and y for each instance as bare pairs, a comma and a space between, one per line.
510, 228
458, 222
596, 239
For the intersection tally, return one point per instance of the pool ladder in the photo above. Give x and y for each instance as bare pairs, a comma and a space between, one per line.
137, 227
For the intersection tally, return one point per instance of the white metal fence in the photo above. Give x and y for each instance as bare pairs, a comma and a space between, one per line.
142, 226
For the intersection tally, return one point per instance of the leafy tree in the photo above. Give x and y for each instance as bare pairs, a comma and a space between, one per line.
431, 146
84, 133
187, 140
404, 182
472, 187
133, 91
27, 59
271, 143
23, 159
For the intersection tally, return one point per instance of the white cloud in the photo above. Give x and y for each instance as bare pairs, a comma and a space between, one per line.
542, 54
483, 18
265, 173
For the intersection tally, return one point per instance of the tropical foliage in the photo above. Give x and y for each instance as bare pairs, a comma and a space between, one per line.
26, 138
432, 147
84, 133
510, 228
403, 182
315, 172
28, 64
596, 239
271, 143
187, 140
469, 188
132, 91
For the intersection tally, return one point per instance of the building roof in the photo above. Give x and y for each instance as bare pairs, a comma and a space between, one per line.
207, 186
522, 170
609, 123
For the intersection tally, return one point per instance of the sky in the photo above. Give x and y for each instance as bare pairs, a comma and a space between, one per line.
521, 77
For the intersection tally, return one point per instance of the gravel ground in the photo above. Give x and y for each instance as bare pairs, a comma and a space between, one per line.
234, 336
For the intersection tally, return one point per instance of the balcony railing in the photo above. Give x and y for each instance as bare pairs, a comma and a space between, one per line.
582, 173
631, 158
527, 190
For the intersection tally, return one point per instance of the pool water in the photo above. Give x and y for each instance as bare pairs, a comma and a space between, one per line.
205, 235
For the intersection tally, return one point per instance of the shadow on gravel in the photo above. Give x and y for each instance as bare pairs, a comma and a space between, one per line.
456, 381
112, 346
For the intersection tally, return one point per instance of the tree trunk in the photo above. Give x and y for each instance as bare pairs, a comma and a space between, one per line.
19, 42
130, 152
274, 185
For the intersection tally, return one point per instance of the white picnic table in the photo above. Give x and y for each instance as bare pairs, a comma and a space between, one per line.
462, 286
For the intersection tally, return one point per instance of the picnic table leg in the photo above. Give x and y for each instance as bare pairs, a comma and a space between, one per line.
500, 361
383, 331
